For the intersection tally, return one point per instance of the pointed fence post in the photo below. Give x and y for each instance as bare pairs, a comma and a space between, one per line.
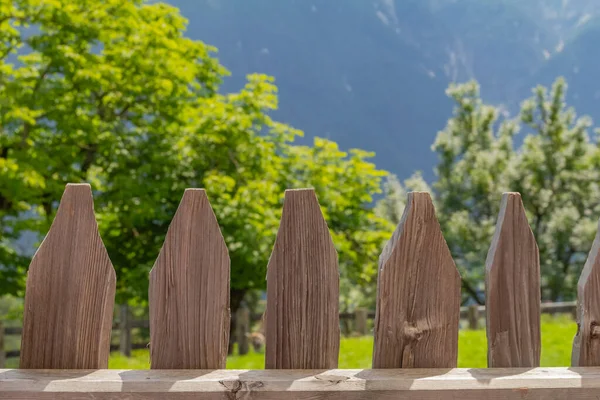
586, 345
418, 294
512, 278
302, 315
70, 291
189, 291
360, 321
125, 330
243, 329
473, 311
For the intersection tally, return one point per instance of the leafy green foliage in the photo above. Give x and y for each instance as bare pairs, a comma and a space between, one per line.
114, 94
558, 174
555, 170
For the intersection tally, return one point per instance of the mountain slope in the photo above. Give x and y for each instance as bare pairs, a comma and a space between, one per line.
579, 63
341, 72
372, 73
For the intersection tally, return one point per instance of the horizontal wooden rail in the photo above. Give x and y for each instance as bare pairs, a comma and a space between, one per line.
561, 307
12, 353
113, 347
136, 323
547, 308
134, 346
424, 384
14, 330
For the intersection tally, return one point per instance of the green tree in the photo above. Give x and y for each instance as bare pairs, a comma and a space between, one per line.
476, 153
90, 89
391, 206
345, 184
114, 94
555, 170
558, 173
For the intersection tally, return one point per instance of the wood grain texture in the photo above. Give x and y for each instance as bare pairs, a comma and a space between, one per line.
418, 294
70, 292
302, 316
189, 290
414, 384
512, 279
586, 345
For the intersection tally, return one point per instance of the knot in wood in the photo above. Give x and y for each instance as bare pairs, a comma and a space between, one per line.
333, 379
413, 332
594, 330
232, 386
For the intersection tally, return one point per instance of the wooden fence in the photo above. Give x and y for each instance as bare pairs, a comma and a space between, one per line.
353, 323
71, 285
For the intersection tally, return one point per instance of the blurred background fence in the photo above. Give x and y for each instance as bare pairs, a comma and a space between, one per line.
130, 333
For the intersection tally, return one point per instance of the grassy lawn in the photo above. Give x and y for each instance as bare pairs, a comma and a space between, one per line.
557, 339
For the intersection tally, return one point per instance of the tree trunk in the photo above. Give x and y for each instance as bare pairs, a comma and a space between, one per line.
236, 298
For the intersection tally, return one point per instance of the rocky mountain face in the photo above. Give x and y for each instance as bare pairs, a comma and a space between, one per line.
372, 73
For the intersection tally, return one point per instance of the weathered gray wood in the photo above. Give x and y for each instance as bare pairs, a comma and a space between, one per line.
586, 345
189, 290
302, 315
125, 330
512, 278
69, 298
418, 294
473, 317
413, 384
360, 321
243, 329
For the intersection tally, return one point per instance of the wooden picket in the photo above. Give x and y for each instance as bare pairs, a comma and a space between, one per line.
360, 321
189, 291
125, 330
70, 291
302, 289
418, 297
242, 325
71, 285
586, 345
512, 278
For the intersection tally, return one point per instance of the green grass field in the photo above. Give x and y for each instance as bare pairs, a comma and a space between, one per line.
557, 339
